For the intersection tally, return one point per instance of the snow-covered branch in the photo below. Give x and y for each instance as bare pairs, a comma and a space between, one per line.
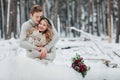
90, 36
87, 34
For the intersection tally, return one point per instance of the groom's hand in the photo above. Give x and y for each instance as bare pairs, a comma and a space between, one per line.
39, 49
43, 53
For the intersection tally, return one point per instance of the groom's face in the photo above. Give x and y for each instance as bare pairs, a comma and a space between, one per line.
36, 16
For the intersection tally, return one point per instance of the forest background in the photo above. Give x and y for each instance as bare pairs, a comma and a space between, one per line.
96, 17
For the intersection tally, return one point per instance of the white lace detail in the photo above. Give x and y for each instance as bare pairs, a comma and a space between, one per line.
37, 38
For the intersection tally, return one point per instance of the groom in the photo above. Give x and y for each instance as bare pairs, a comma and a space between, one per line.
36, 13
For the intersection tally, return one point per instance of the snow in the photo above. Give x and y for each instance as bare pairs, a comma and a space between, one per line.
94, 55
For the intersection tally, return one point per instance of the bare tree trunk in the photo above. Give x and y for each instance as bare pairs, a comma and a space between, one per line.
89, 11
89, 17
22, 11
47, 9
26, 10
75, 19
5, 18
56, 12
77, 16
103, 17
18, 18
92, 26
14, 21
118, 26
11, 19
68, 19
98, 18
7, 35
2, 22
109, 20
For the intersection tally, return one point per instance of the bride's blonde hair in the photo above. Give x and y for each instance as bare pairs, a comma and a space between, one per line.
48, 32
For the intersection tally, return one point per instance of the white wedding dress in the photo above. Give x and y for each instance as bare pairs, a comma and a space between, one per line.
33, 69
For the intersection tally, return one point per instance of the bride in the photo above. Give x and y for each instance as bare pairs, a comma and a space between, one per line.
38, 65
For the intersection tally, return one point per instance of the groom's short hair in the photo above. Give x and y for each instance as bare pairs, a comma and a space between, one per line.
36, 8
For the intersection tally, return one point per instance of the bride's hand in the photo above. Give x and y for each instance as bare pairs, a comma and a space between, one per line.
43, 53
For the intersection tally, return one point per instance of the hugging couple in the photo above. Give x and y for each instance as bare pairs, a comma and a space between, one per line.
38, 35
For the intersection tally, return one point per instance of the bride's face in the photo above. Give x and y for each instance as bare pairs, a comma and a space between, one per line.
42, 26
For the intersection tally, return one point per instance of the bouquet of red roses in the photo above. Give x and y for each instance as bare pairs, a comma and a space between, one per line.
79, 66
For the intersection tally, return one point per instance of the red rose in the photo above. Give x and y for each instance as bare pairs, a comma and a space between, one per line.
82, 69
81, 58
77, 61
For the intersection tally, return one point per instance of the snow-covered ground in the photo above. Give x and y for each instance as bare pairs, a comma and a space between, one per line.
95, 53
